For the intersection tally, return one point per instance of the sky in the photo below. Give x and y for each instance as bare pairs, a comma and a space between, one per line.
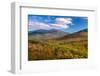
68, 24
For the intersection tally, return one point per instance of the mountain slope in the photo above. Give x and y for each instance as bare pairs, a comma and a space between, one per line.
77, 36
46, 34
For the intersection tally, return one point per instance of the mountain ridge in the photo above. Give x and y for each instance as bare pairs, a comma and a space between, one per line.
79, 35
56, 34
46, 34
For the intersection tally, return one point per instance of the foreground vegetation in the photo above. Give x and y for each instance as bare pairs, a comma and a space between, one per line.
57, 49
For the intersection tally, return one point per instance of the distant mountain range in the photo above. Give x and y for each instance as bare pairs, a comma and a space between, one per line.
56, 34
41, 31
46, 34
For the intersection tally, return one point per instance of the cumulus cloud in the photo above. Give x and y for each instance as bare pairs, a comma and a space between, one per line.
63, 21
60, 23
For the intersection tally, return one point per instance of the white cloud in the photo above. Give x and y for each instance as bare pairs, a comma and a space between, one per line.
60, 23
63, 21
38, 25
59, 26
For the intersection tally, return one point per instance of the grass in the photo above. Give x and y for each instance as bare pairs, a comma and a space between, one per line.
56, 49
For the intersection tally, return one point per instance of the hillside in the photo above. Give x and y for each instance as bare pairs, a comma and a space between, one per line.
80, 35
46, 34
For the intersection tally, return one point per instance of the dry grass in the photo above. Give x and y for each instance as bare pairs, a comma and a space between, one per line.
57, 49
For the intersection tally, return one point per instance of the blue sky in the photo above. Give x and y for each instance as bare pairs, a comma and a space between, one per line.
69, 24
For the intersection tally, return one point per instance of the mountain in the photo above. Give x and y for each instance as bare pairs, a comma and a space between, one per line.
46, 34
76, 36
41, 31
84, 30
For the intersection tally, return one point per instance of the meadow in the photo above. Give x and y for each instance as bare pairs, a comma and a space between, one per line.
52, 49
